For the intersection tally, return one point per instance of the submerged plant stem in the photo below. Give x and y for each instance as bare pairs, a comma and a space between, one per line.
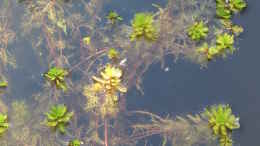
106, 142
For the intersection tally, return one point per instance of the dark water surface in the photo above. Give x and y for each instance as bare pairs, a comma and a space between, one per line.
186, 88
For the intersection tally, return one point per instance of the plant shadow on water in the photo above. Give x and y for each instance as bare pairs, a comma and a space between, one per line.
126, 73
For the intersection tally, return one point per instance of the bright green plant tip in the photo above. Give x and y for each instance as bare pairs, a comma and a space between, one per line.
225, 141
58, 117
223, 12
237, 5
3, 123
198, 31
3, 84
112, 53
143, 26
75, 142
57, 76
225, 41
113, 17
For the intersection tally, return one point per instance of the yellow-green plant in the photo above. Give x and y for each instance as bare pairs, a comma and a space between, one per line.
225, 9
3, 123
107, 85
57, 76
58, 117
222, 121
3, 84
75, 142
225, 42
198, 31
143, 26
235, 29
209, 52
113, 53
224, 45
113, 17
237, 5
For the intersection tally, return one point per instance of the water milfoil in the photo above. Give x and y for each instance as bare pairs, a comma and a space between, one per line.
143, 26
222, 122
57, 76
113, 17
198, 31
58, 117
3, 123
225, 9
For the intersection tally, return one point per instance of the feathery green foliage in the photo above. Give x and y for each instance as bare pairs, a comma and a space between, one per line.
75, 142
57, 76
225, 9
58, 117
3, 123
225, 41
143, 26
198, 31
113, 17
3, 84
222, 122
113, 53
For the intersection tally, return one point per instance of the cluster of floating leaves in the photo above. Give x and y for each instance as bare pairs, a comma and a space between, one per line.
107, 62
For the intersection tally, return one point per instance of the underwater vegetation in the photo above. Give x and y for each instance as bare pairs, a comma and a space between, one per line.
3, 84
75, 142
235, 29
113, 54
198, 31
3, 123
187, 130
225, 41
113, 17
57, 77
225, 9
143, 26
224, 46
58, 117
101, 64
110, 85
223, 122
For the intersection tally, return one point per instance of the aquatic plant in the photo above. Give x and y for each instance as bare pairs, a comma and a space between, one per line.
198, 31
3, 123
143, 26
3, 84
113, 17
225, 9
222, 122
57, 76
58, 117
207, 51
222, 11
86, 40
225, 41
237, 5
189, 130
75, 142
110, 79
19, 113
224, 45
113, 53
235, 29
110, 84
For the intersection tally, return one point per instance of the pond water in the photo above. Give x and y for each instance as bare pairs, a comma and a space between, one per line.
160, 84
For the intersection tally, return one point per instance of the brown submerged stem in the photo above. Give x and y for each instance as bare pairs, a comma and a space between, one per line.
105, 126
